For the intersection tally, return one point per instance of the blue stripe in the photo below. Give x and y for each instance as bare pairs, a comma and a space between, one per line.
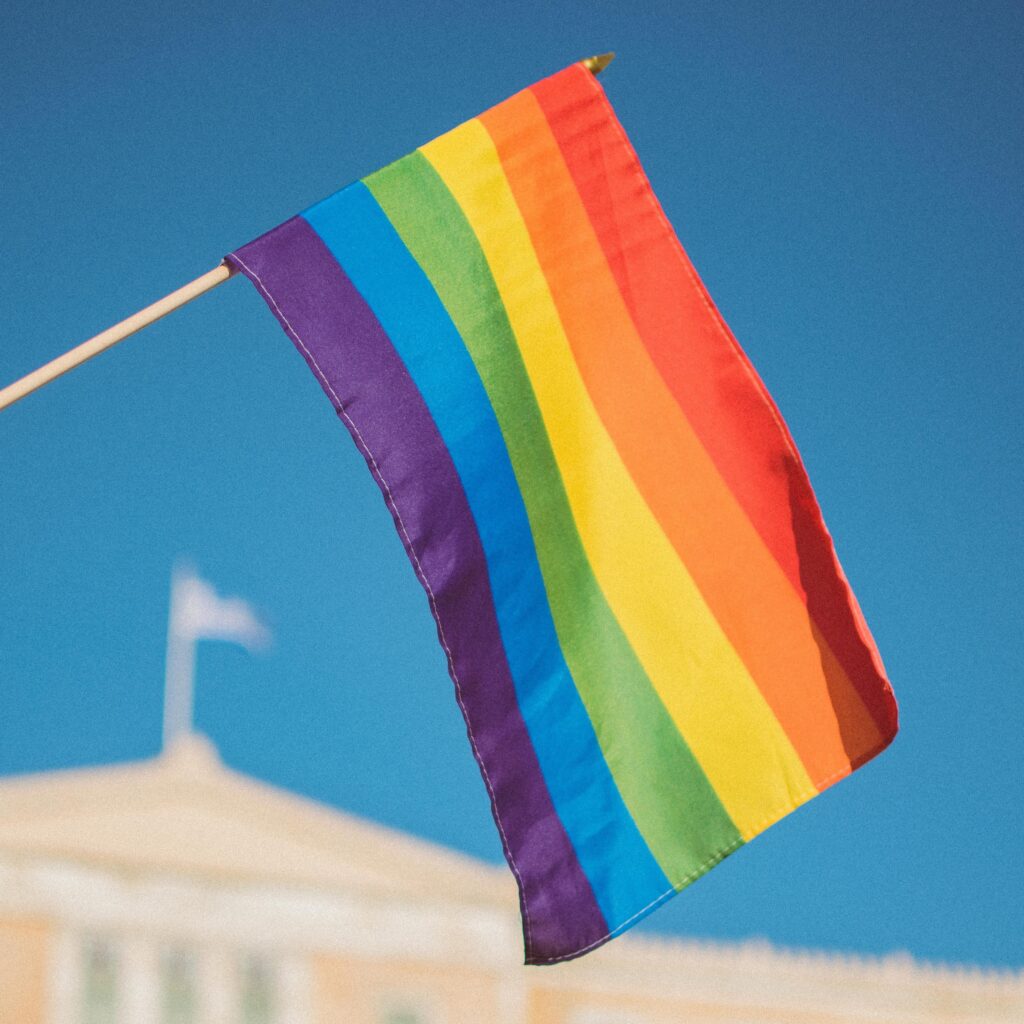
613, 853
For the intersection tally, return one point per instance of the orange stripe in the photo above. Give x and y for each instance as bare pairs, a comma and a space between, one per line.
757, 608
710, 377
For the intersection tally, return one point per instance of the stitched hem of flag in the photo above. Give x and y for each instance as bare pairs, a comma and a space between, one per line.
411, 554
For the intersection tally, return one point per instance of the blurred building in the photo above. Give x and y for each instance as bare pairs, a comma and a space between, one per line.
176, 891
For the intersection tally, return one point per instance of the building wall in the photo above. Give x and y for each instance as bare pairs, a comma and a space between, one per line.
395, 991
568, 1006
24, 970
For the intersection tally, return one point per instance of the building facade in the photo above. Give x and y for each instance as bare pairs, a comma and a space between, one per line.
176, 891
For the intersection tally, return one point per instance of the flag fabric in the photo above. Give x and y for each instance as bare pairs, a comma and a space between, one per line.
654, 647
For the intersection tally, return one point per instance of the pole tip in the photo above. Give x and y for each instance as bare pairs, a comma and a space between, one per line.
597, 64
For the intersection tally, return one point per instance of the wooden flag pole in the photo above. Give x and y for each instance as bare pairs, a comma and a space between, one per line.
112, 335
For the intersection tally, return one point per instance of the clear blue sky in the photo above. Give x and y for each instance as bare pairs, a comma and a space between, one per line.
847, 179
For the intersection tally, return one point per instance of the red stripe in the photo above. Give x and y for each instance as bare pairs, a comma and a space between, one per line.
710, 377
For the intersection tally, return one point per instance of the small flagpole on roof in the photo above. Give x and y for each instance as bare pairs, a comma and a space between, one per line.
144, 317
197, 612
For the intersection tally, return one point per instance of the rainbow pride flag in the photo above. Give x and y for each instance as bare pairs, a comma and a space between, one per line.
655, 649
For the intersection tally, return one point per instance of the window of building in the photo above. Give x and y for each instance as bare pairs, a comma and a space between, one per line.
403, 1015
99, 982
257, 991
179, 989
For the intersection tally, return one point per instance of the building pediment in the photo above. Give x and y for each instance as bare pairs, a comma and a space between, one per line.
182, 854
185, 812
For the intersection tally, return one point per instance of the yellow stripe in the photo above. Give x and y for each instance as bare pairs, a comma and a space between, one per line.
698, 675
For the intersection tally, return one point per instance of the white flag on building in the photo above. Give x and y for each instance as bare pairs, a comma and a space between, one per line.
199, 613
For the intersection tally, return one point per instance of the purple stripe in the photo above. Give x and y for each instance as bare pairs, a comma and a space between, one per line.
377, 400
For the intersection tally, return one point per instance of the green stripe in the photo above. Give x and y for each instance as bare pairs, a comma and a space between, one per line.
667, 793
